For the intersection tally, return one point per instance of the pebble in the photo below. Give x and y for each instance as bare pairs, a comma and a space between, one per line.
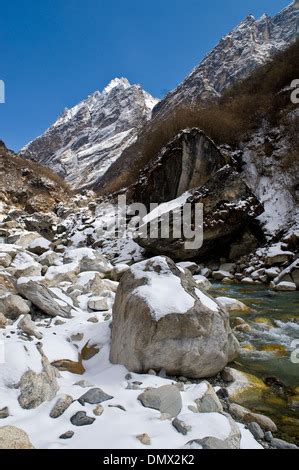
61, 406
256, 431
67, 435
99, 410
144, 439
181, 427
94, 396
4, 413
81, 419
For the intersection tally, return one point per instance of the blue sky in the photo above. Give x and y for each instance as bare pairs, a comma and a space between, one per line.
53, 53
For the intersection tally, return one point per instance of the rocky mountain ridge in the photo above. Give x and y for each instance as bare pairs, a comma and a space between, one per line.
86, 139
251, 44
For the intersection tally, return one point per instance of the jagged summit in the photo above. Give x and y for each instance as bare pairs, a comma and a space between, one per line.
87, 138
117, 82
250, 44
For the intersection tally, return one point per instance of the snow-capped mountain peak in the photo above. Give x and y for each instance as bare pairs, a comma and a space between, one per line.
117, 82
87, 138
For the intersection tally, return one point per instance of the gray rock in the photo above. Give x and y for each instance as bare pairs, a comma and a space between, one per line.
4, 413
210, 402
153, 335
81, 419
280, 444
61, 406
67, 435
36, 388
94, 397
256, 431
44, 299
181, 427
167, 399
268, 436
13, 306
227, 376
241, 413
28, 327
208, 443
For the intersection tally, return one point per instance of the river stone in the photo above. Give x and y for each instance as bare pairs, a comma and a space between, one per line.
210, 402
14, 438
61, 406
280, 444
94, 396
167, 399
286, 287
187, 334
81, 419
256, 431
242, 413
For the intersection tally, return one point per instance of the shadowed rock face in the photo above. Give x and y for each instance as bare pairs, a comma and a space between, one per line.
228, 207
186, 162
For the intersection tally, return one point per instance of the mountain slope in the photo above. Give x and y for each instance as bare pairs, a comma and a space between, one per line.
249, 46
86, 139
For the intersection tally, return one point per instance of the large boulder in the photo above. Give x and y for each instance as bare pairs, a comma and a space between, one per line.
161, 319
228, 207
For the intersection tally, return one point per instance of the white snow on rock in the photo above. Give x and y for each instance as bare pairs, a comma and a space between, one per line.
163, 293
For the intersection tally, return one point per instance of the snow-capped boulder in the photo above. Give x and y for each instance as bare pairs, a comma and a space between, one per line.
161, 319
285, 287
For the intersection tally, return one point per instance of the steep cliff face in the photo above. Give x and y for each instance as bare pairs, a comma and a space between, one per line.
88, 138
251, 44
187, 162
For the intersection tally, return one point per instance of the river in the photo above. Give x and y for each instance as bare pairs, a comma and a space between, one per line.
267, 350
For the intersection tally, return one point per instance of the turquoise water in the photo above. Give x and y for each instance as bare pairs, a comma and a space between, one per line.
266, 350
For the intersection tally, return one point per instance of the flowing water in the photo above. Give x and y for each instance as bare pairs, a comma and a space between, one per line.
268, 350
